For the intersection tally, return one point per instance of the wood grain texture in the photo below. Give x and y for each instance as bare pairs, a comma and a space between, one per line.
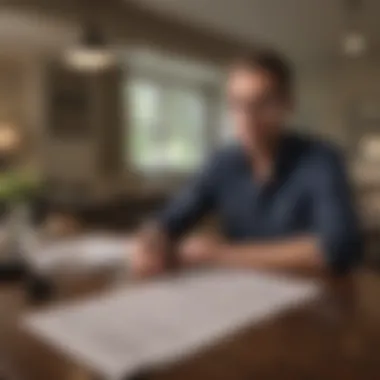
337, 338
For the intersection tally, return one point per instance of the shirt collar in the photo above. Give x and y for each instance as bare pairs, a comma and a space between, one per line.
284, 157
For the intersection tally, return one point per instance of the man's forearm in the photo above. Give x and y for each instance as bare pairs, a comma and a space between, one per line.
300, 253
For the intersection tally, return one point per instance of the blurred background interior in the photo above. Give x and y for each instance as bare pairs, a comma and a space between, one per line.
106, 107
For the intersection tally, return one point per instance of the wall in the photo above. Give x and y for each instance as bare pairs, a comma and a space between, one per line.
21, 102
327, 92
12, 81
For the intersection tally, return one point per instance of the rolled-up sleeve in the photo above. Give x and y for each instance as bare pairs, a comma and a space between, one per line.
335, 219
192, 203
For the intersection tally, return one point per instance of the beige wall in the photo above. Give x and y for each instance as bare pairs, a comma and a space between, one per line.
327, 92
21, 101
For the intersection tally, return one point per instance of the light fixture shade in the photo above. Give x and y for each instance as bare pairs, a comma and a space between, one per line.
92, 54
89, 59
355, 44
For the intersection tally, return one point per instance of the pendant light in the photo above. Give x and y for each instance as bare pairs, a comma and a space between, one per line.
355, 43
92, 54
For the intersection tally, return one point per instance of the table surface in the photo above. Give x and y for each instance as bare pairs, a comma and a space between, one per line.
337, 337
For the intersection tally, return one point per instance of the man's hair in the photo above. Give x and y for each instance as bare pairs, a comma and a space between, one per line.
271, 62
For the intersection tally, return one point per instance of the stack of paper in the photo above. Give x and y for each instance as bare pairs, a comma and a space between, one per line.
156, 323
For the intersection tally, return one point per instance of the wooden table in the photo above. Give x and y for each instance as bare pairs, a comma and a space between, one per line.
336, 338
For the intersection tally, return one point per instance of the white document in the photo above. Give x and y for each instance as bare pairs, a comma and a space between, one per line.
128, 330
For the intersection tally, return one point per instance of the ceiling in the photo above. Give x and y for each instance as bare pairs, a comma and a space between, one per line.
306, 30
24, 32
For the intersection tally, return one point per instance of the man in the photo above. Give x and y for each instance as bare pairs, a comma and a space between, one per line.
283, 201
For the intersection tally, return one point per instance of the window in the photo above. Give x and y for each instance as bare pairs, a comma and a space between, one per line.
169, 119
168, 126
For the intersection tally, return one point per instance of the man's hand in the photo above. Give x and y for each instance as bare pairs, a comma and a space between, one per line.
297, 253
201, 249
149, 252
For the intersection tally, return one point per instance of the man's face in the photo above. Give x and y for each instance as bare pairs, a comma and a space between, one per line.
257, 107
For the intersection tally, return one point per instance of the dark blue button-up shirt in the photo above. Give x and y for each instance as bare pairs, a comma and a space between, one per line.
309, 194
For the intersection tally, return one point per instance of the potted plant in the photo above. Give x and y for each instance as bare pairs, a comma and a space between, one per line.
17, 190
